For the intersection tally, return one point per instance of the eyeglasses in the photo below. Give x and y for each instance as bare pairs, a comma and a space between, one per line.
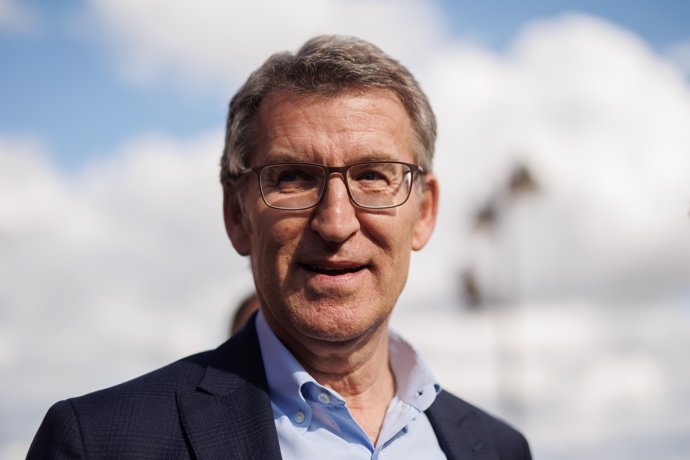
371, 185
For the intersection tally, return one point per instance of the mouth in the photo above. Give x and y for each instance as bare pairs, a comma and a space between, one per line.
334, 270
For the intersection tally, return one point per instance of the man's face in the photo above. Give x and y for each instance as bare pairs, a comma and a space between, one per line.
334, 272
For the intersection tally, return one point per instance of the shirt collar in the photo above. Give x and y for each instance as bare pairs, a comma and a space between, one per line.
285, 376
415, 384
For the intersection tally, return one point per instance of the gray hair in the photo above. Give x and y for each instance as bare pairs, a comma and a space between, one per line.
325, 65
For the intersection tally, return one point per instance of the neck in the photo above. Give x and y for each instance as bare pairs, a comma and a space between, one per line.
353, 373
358, 370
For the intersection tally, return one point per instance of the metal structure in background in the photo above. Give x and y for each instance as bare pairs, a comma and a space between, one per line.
489, 220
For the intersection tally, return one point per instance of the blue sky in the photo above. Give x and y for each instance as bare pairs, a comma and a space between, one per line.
661, 23
61, 87
60, 84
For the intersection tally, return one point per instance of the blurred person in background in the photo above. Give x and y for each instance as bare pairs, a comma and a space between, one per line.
328, 187
244, 311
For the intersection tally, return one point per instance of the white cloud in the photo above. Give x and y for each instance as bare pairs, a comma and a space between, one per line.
16, 18
213, 41
132, 246
680, 56
602, 122
574, 376
130, 225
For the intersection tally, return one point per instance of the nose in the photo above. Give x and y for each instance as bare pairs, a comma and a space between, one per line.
335, 218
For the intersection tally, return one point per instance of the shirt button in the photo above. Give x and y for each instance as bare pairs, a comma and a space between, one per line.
323, 397
299, 417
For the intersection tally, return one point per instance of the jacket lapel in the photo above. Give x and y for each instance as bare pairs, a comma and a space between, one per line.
229, 415
460, 432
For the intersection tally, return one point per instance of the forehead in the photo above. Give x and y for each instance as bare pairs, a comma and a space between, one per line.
339, 129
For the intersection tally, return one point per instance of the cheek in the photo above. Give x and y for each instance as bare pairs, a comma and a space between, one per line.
274, 240
392, 233
399, 240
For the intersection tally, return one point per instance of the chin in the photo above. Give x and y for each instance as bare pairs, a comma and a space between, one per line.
342, 328
330, 332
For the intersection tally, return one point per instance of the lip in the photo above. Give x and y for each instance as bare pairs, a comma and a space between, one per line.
330, 268
334, 271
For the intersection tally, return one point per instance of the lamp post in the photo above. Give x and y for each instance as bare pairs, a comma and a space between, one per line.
491, 220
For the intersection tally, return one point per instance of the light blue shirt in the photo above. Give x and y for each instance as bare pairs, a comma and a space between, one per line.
314, 422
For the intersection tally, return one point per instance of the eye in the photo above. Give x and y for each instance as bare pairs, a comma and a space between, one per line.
290, 178
290, 175
375, 174
370, 175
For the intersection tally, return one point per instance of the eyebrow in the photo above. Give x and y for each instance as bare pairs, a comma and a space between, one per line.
284, 157
379, 156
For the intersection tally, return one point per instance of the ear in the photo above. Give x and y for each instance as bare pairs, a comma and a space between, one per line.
233, 215
428, 209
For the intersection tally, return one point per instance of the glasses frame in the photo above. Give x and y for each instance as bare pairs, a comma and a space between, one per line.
415, 170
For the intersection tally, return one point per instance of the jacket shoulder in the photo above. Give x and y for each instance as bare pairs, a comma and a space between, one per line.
147, 417
460, 425
184, 373
104, 421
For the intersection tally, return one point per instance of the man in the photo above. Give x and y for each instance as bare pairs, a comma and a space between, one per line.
328, 188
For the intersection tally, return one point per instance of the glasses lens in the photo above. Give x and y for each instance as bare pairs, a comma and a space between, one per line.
379, 185
292, 186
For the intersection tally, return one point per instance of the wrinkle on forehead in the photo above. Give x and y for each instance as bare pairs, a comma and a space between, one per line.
334, 130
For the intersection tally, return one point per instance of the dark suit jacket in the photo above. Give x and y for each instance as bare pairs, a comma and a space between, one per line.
216, 405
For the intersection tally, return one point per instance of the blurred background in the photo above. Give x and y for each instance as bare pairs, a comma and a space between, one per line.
554, 293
